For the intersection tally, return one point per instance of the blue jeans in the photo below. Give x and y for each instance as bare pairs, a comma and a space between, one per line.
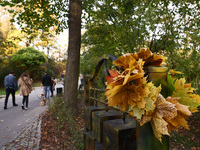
47, 92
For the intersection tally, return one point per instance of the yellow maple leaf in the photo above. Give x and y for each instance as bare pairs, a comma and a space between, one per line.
157, 60
172, 71
152, 97
117, 81
144, 53
125, 95
130, 77
170, 114
164, 111
159, 126
150, 103
125, 60
136, 112
121, 96
165, 108
185, 92
149, 58
180, 108
145, 118
182, 113
128, 60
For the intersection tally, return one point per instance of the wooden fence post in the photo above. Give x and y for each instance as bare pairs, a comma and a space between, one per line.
145, 136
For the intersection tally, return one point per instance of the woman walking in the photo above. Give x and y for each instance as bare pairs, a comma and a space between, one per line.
25, 88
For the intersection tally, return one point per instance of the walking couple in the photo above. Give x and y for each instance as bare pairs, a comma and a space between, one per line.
11, 85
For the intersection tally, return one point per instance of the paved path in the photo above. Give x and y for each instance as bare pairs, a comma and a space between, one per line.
21, 128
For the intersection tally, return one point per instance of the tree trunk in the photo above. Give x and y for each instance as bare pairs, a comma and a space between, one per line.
73, 60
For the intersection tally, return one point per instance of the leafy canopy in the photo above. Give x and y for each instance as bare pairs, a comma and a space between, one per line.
38, 14
28, 59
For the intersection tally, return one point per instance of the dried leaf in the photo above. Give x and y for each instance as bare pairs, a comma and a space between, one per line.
182, 113
172, 72
159, 126
144, 53
127, 95
124, 61
164, 111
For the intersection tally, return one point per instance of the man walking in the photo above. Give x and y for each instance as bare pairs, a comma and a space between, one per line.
10, 83
46, 81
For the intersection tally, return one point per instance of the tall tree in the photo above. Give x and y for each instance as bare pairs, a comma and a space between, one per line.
72, 72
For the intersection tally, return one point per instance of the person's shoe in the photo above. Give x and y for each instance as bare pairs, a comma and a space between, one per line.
22, 106
26, 108
15, 105
5, 107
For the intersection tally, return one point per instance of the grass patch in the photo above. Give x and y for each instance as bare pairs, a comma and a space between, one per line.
36, 84
3, 91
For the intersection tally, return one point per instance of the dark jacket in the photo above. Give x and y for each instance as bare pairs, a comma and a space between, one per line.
46, 80
10, 81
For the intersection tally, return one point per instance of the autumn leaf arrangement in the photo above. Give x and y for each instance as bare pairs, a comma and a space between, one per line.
129, 90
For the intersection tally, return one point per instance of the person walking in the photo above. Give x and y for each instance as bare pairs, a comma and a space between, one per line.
24, 82
53, 84
46, 82
10, 83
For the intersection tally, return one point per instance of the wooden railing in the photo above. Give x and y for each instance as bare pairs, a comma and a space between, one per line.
109, 128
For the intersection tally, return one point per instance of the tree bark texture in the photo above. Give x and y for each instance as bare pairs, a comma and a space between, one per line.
73, 60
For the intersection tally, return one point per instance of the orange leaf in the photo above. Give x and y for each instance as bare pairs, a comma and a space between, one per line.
113, 74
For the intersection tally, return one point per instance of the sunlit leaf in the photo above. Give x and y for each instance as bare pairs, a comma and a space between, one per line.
185, 92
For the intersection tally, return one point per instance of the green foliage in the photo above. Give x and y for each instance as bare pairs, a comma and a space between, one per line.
54, 68
188, 62
169, 28
39, 15
28, 59
65, 116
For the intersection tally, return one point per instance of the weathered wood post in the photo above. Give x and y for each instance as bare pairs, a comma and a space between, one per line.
87, 91
145, 136
119, 134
